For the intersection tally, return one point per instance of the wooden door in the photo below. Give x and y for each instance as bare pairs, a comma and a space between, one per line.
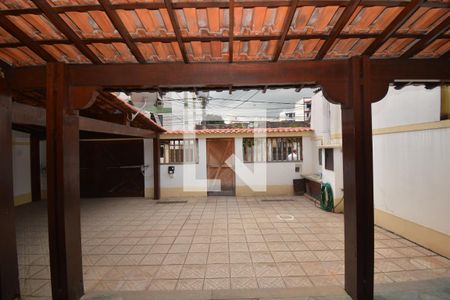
111, 168
217, 152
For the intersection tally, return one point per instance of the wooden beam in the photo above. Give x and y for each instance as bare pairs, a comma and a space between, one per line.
23, 114
176, 29
286, 25
35, 168
428, 39
399, 20
231, 32
93, 125
208, 39
117, 22
63, 192
358, 184
156, 167
410, 69
209, 75
9, 270
15, 31
59, 23
336, 30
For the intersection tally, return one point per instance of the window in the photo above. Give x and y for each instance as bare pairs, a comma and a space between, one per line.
179, 151
320, 157
329, 159
272, 149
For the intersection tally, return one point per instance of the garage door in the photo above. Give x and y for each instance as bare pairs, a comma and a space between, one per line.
112, 168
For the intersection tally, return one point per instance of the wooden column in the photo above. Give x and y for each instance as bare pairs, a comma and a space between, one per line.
156, 167
9, 272
63, 187
35, 168
358, 183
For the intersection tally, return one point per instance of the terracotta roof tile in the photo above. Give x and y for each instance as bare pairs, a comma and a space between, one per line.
20, 56
241, 130
257, 30
72, 2
300, 49
436, 49
394, 47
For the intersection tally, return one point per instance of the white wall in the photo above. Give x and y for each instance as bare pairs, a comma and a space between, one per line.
21, 164
410, 105
190, 177
412, 176
193, 177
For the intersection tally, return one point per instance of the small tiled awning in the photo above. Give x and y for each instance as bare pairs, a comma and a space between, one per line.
240, 131
33, 32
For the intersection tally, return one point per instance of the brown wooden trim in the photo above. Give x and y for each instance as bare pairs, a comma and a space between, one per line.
93, 125
358, 184
428, 39
401, 18
59, 23
176, 29
9, 270
340, 24
287, 24
35, 168
208, 39
156, 167
231, 32
208, 76
15, 31
63, 188
117, 22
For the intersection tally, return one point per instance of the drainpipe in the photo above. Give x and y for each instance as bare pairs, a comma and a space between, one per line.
445, 102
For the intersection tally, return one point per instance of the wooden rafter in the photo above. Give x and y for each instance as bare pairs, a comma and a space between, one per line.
220, 4
208, 39
428, 39
25, 39
176, 29
231, 31
287, 24
343, 20
401, 18
117, 22
59, 23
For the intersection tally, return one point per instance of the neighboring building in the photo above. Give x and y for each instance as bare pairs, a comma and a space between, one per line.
410, 161
261, 161
300, 113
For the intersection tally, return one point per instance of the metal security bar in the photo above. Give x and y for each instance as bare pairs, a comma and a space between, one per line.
272, 149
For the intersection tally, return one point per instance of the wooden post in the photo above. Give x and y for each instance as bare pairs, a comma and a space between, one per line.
9, 271
63, 187
358, 183
156, 167
35, 168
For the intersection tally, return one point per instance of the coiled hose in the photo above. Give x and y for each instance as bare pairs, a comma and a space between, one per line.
326, 197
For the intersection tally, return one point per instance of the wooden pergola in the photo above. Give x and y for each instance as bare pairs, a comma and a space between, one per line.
75, 51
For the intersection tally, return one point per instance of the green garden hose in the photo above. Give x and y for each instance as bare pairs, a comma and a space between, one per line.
326, 197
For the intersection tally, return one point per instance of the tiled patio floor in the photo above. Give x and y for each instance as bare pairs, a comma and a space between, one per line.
213, 243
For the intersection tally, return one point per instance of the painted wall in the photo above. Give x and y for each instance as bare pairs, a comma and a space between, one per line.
410, 105
411, 176
21, 168
411, 168
251, 179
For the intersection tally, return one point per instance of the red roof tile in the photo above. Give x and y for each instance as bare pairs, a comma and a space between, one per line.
241, 130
